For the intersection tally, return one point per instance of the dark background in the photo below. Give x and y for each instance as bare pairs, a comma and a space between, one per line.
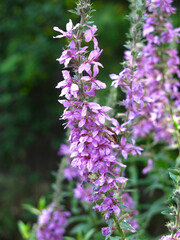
30, 131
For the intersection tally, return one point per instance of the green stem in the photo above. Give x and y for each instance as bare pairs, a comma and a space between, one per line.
57, 197
122, 235
175, 129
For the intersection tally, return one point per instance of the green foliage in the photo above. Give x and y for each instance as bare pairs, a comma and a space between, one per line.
28, 74
24, 229
29, 117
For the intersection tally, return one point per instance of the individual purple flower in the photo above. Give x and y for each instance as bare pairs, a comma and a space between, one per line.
69, 29
148, 168
69, 88
83, 193
92, 59
106, 231
117, 79
148, 27
63, 150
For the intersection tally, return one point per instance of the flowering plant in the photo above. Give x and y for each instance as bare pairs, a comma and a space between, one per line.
105, 145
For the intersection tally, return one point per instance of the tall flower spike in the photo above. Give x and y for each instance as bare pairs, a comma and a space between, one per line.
93, 145
131, 85
158, 67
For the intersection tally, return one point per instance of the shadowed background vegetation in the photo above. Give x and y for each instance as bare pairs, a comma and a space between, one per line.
30, 129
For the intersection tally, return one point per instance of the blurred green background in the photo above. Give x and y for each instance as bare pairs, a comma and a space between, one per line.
30, 128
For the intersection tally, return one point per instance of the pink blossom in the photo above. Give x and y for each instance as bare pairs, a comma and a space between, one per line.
148, 168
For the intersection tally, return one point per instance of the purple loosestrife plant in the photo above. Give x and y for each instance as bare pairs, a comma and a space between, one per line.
93, 145
158, 67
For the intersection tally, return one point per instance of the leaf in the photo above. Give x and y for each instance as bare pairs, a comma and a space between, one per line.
173, 177
175, 124
166, 212
31, 209
139, 12
89, 234
175, 171
10, 63
126, 46
69, 238
73, 11
24, 229
108, 237
74, 219
139, 26
115, 238
81, 228
178, 161
41, 203
133, 53
90, 22
126, 226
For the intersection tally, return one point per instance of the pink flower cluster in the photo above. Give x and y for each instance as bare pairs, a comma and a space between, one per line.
176, 237
93, 145
51, 224
158, 69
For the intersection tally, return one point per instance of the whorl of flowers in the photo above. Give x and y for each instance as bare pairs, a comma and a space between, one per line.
158, 69
51, 223
93, 144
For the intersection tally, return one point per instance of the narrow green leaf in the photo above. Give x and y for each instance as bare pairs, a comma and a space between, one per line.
73, 11
166, 212
24, 229
89, 234
69, 238
126, 226
31, 209
115, 238
90, 22
173, 177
